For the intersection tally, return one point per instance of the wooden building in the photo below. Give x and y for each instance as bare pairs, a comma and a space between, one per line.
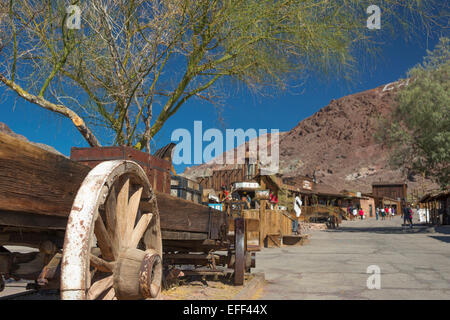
216, 179
438, 204
327, 195
365, 201
383, 202
226, 177
396, 190
318, 199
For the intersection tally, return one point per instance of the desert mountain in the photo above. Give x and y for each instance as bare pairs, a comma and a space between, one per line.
337, 146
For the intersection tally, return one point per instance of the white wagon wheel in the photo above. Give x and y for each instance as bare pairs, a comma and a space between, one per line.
112, 246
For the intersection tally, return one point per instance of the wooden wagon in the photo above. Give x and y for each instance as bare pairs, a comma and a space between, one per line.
103, 221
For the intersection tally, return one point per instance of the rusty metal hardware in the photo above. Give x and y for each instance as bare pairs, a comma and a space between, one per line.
50, 270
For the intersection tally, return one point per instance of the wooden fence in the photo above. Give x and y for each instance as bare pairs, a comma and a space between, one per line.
264, 226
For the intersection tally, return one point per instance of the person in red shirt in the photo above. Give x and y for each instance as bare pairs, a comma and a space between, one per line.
224, 195
361, 213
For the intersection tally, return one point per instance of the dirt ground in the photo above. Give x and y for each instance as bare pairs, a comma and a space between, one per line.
188, 289
204, 290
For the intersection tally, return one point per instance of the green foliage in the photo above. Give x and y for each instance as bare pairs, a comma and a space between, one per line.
419, 132
133, 64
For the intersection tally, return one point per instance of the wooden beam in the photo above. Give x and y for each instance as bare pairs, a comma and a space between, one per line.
204, 272
181, 215
31, 239
29, 220
194, 245
179, 235
34, 180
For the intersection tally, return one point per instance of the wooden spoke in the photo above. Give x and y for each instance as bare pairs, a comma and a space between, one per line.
111, 295
121, 212
110, 210
140, 229
133, 207
104, 240
99, 287
100, 264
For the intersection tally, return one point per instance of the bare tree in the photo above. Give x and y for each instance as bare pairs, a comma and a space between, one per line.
134, 63
3, 22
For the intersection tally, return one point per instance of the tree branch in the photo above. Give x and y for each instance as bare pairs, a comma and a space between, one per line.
63, 110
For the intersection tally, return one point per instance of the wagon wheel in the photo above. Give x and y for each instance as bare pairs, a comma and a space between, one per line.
112, 245
239, 250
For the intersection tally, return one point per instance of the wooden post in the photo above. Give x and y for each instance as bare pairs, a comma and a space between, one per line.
239, 246
262, 222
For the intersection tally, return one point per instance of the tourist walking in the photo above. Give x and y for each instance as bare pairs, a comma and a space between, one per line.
377, 212
361, 213
383, 214
298, 211
407, 216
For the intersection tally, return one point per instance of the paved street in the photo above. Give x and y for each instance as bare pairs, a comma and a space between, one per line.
414, 264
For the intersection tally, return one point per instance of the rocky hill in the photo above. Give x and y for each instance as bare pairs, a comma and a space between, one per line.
5, 129
337, 144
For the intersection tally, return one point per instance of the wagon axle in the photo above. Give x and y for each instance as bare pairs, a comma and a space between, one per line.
138, 275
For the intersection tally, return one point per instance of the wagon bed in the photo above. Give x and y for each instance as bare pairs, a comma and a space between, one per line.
39, 189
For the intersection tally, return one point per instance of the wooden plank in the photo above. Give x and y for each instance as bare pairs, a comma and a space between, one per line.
28, 220
203, 272
31, 239
194, 245
181, 215
33, 180
179, 235
157, 170
273, 240
190, 256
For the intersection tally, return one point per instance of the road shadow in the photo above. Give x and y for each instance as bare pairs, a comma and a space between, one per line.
400, 229
442, 238
443, 229
384, 230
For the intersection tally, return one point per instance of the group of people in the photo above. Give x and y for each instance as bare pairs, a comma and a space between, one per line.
245, 197
386, 212
354, 212
389, 212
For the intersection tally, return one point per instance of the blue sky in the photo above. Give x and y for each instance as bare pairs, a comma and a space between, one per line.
242, 109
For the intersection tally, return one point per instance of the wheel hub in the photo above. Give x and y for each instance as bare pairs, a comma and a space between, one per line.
150, 275
138, 274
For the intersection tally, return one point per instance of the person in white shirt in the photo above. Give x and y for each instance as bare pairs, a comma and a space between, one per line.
298, 212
